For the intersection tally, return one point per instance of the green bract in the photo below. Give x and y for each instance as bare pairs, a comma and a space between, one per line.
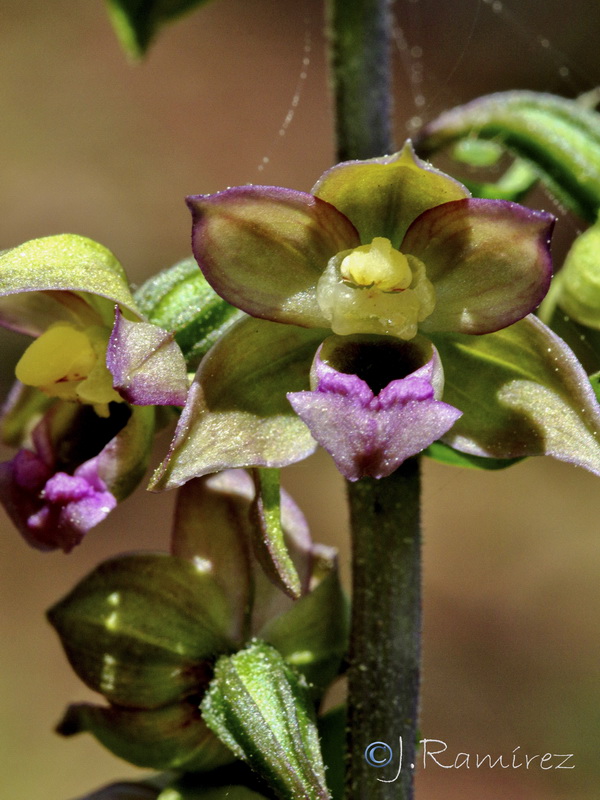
558, 138
260, 709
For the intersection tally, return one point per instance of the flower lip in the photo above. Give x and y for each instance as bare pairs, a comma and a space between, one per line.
369, 430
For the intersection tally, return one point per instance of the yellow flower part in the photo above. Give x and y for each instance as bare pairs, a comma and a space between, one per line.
377, 264
375, 288
69, 363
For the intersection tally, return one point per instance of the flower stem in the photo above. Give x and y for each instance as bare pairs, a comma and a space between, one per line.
386, 628
360, 54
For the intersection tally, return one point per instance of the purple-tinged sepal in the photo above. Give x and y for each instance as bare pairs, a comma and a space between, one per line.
147, 365
374, 402
237, 414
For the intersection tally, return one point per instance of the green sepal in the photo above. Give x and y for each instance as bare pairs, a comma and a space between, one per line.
439, 451
180, 300
522, 393
237, 413
261, 710
142, 629
136, 22
313, 634
268, 537
560, 138
173, 737
68, 263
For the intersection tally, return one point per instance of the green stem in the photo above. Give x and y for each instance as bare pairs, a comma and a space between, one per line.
386, 627
360, 55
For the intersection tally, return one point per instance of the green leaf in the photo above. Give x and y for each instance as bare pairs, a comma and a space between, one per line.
136, 22
180, 300
560, 138
140, 629
171, 737
237, 413
313, 635
439, 451
258, 707
268, 539
522, 393
67, 263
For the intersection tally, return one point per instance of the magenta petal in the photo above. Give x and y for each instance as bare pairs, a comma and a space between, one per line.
147, 366
370, 434
52, 510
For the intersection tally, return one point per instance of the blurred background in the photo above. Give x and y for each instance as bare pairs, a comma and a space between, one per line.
93, 145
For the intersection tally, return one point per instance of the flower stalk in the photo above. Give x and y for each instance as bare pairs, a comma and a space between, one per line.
386, 629
360, 55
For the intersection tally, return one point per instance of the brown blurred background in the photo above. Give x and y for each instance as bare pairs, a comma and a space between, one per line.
92, 145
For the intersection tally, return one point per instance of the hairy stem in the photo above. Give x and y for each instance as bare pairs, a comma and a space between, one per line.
386, 627
360, 54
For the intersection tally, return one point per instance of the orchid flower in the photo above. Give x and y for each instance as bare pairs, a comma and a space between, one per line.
81, 412
392, 250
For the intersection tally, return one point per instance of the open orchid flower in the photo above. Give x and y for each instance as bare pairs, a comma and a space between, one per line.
82, 418
393, 249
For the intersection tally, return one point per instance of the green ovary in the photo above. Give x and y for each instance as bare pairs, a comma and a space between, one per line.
69, 363
375, 289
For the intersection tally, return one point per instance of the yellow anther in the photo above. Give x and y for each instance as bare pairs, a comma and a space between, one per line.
377, 264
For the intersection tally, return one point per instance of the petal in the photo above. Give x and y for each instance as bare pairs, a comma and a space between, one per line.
213, 527
237, 414
382, 196
523, 393
488, 260
33, 312
371, 434
146, 363
263, 249
67, 263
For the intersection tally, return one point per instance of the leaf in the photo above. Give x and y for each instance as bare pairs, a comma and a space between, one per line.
560, 138
136, 22
140, 629
258, 707
180, 300
237, 413
522, 393
268, 537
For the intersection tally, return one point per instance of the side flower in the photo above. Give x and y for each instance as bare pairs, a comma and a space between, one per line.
83, 435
